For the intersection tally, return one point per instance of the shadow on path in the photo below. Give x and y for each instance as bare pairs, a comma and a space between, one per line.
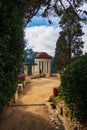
20, 119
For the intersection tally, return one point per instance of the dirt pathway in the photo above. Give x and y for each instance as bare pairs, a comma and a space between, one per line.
34, 117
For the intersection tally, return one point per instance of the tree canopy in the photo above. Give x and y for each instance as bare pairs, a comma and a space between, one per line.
29, 8
69, 44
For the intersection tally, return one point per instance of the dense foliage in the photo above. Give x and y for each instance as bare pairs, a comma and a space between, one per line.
61, 57
12, 14
56, 7
11, 49
74, 87
72, 30
69, 44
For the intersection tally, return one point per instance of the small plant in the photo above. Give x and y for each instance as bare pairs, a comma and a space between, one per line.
50, 98
54, 98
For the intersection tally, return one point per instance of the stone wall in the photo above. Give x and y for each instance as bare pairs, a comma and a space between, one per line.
70, 123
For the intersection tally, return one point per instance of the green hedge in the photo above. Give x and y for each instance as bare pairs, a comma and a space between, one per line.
11, 49
74, 87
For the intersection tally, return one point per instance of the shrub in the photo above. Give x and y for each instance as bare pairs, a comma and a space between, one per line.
11, 49
74, 87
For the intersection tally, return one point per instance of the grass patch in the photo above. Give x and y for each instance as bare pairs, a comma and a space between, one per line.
54, 98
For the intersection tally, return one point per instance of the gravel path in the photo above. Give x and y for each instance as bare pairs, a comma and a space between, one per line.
34, 117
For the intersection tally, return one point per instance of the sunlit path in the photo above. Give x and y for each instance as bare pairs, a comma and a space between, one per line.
31, 115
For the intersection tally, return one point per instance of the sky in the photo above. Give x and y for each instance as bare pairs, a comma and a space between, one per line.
42, 36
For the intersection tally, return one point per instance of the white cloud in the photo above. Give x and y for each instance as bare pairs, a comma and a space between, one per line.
84, 6
42, 38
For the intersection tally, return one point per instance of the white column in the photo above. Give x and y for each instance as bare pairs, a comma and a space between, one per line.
41, 67
36, 67
33, 69
49, 68
45, 67
26, 69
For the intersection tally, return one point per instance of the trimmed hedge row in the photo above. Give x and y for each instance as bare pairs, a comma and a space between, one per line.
11, 49
74, 87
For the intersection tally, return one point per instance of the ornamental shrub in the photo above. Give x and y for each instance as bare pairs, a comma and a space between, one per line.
74, 87
11, 48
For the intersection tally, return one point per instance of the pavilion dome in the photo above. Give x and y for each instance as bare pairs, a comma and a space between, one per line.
42, 55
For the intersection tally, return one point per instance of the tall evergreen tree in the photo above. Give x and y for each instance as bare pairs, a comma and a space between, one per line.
69, 45
61, 58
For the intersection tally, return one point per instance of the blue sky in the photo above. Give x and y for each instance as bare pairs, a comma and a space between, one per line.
38, 21
42, 36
